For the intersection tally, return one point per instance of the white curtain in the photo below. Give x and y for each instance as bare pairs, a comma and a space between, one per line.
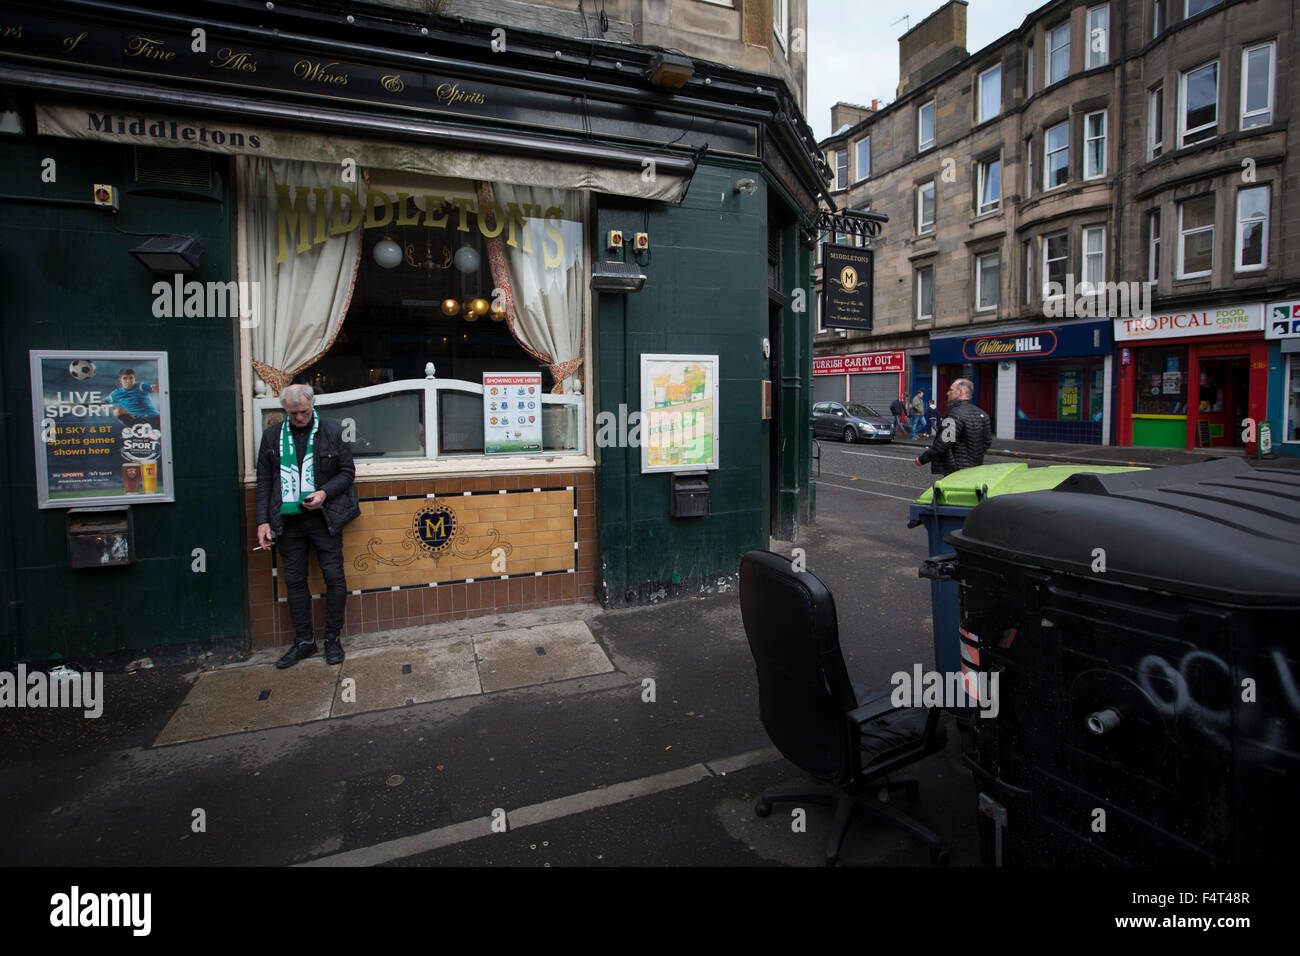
543, 303
302, 301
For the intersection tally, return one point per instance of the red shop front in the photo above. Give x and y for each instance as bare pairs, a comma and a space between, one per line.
1179, 390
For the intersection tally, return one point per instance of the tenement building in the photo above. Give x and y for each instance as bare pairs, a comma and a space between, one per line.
1086, 218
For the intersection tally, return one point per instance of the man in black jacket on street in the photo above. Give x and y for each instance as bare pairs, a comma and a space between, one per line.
305, 495
964, 435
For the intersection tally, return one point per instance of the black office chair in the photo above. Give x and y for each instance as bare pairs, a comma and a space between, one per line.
816, 717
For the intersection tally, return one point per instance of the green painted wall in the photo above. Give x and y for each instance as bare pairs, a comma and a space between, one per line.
70, 283
706, 293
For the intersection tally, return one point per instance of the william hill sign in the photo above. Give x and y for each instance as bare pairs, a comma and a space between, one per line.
1042, 342
847, 285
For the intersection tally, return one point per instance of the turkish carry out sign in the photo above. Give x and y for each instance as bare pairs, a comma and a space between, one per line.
859, 362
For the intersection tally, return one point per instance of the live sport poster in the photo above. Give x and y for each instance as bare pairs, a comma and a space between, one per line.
512, 412
679, 413
102, 425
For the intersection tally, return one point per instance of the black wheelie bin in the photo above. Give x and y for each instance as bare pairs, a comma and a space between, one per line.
1141, 634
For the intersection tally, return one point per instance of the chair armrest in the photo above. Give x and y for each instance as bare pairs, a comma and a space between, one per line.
877, 707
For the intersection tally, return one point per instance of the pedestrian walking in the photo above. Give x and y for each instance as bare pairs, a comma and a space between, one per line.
897, 408
932, 418
918, 413
964, 435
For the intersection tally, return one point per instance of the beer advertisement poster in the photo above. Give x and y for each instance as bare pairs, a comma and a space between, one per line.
102, 425
679, 413
512, 412
847, 287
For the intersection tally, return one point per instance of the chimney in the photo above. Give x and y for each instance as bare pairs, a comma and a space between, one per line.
849, 114
933, 45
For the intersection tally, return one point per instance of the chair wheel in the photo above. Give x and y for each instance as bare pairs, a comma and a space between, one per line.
762, 808
913, 791
939, 856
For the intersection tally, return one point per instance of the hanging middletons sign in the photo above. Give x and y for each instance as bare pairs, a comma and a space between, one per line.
847, 287
102, 427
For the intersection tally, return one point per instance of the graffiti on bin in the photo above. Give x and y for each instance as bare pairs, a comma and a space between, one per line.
1159, 678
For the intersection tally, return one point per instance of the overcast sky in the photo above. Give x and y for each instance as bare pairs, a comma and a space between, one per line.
853, 46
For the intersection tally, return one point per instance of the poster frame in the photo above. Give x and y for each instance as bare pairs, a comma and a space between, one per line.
161, 399
647, 405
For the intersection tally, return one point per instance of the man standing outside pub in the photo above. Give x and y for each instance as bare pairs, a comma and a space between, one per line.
963, 436
305, 495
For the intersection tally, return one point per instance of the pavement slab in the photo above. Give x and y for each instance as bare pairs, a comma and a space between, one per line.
387, 677
539, 655
240, 699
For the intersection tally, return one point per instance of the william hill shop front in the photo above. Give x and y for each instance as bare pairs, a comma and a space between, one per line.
1188, 379
427, 233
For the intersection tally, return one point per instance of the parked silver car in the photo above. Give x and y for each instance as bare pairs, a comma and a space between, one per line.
851, 421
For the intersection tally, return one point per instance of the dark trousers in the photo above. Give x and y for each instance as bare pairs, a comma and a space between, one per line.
298, 531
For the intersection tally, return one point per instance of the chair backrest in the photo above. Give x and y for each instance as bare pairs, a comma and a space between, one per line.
804, 691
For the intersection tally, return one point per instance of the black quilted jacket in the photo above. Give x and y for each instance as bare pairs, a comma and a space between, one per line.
334, 474
972, 437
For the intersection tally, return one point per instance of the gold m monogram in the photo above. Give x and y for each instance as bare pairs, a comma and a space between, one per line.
849, 278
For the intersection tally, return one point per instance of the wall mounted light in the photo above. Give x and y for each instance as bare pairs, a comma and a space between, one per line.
167, 255
670, 70
616, 277
747, 186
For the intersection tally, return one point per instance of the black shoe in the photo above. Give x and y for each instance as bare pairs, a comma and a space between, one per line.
296, 653
333, 651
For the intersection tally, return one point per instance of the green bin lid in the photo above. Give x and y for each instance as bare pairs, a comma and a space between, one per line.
970, 486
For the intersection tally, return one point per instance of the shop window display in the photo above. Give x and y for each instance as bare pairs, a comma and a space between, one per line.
1161, 381
364, 285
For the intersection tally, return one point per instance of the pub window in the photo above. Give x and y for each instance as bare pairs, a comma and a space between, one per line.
361, 287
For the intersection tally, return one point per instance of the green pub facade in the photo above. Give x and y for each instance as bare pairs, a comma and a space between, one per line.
557, 293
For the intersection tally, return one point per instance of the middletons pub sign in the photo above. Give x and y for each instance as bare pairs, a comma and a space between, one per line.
847, 287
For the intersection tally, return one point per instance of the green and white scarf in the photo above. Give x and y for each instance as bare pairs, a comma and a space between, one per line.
295, 486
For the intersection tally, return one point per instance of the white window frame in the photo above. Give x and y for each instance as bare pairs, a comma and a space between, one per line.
1088, 138
979, 282
1087, 285
1101, 57
1029, 70
1153, 245
780, 20
1271, 46
984, 115
1047, 155
1029, 271
1155, 121
1240, 248
1047, 271
983, 167
921, 271
821, 329
1029, 167
1047, 59
1182, 240
921, 228
1183, 131
857, 158
1157, 17
921, 146
842, 171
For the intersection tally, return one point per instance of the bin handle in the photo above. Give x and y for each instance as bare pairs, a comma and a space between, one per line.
939, 567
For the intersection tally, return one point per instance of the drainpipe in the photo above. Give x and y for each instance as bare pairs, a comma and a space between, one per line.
1119, 208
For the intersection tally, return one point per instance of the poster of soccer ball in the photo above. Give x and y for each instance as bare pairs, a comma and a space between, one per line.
102, 424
